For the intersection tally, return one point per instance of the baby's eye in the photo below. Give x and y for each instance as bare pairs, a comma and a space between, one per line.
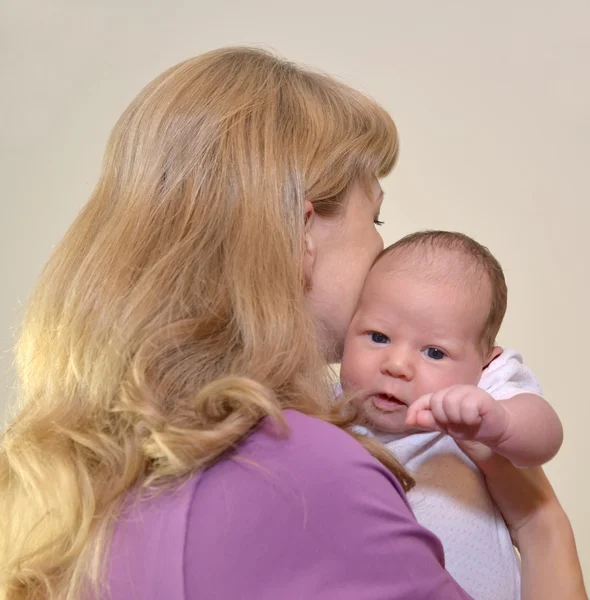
378, 222
379, 338
434, 353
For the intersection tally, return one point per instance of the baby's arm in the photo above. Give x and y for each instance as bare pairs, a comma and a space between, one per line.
534, 433
524, 428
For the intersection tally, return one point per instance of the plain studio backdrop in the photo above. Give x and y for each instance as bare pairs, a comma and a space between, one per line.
492, 101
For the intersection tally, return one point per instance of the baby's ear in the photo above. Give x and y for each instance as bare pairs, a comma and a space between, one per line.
493, 354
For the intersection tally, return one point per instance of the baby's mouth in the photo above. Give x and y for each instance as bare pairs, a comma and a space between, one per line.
387, 403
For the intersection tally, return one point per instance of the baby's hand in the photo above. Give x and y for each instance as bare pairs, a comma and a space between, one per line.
465, 412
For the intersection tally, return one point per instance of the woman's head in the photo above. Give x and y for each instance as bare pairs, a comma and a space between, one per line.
211, 166
187, 300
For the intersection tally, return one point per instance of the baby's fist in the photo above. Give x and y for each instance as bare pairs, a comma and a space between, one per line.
463, 411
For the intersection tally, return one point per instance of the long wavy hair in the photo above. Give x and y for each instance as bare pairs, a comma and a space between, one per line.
171, 318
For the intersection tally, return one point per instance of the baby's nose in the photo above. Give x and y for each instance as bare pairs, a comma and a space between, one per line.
398, 364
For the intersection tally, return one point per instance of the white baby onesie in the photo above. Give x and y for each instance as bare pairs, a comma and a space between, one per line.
451, 498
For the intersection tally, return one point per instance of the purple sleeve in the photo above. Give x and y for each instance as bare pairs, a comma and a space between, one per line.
313, 516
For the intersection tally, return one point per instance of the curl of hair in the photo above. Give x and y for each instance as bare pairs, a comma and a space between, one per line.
171, 318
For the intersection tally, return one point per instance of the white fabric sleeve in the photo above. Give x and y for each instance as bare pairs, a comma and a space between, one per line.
507, 376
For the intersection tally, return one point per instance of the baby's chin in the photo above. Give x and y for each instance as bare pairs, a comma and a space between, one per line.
385, 422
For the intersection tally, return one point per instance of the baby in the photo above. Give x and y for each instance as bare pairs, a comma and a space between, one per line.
421, 355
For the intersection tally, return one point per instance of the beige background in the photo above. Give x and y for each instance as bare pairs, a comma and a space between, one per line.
492, 100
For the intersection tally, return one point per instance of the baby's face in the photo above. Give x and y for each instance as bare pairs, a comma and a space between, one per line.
411, 336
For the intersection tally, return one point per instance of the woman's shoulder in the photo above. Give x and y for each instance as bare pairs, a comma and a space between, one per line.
273, 481
303, 515
286, 515
313, 456
308, 444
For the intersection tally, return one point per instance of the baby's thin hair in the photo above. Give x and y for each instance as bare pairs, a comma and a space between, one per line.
474, 255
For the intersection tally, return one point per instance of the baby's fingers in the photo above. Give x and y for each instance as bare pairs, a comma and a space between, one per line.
421, 404
440, 406
470, 412
425, 420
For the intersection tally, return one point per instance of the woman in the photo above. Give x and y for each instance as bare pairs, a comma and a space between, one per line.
176, 438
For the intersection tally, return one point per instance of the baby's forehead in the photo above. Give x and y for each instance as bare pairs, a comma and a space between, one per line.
441, 289
433, 264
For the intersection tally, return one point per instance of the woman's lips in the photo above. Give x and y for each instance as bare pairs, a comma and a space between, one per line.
387, 403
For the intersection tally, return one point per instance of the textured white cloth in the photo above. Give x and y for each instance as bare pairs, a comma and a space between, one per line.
507, 376
451, 498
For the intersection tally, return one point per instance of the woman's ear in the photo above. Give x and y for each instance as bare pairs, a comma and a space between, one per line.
494, 353
309, 254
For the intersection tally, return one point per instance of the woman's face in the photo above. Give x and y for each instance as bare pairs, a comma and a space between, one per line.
345, 248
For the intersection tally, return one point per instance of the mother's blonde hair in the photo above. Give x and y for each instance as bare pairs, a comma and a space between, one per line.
172, 318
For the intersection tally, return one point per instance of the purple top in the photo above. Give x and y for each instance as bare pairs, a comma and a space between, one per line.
310, 516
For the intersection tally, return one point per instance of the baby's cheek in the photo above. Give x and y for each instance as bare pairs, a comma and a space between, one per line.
348, 376
347, 367
354, 374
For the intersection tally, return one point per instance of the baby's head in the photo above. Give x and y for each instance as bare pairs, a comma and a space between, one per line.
427, 319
